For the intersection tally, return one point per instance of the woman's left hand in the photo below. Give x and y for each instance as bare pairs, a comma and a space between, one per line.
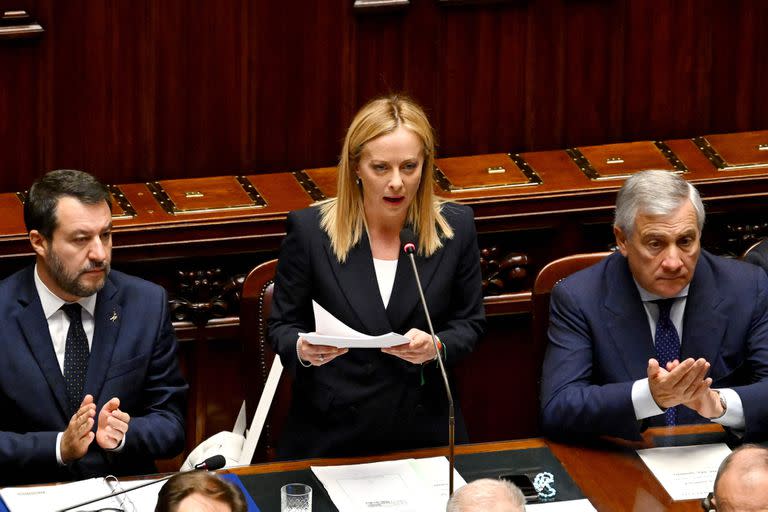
419, 350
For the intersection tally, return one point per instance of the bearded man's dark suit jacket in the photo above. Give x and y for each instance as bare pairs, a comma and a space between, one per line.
133, 357
600, 342
367, 401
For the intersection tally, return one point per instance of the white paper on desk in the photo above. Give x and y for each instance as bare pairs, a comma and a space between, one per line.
434, 472
329, 330
49, 498
393, 486
561, 506
685, 472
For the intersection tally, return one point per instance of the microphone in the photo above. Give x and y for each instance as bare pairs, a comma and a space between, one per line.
408, 241
210, 464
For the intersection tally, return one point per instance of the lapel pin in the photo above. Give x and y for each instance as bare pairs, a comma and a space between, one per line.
114, 316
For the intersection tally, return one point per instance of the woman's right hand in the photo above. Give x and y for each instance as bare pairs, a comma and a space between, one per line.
318, 355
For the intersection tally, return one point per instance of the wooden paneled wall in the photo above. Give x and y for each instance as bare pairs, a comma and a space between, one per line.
133, 90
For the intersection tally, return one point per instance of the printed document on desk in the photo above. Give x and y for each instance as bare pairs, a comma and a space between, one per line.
408, 485
561, 506
329, 330
433, 471
685, 472
49, 498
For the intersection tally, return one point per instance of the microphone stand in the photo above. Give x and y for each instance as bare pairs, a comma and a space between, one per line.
451, 414
210, 464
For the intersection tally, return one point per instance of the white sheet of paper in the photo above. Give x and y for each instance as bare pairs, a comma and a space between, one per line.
48, 498
240, 422
253, 434
326, 323
329, 330
685, 472
53, 497
434, 472
393, 486
561, 506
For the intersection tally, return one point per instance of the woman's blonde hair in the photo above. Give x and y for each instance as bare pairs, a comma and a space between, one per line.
343, 217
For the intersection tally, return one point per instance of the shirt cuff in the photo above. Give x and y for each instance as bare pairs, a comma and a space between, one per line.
58, 449
643, 402
734, 414
120, 446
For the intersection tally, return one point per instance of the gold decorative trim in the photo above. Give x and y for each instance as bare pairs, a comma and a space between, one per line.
165, 201
670, 155
533, 178
161, 197
583, 163
386, 5
309, 185
258, 200
19, 24
718, 161
128, 211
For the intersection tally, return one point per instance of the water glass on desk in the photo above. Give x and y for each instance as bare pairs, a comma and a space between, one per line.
295, 498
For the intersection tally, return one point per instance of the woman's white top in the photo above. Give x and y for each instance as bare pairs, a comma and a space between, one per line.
385, 276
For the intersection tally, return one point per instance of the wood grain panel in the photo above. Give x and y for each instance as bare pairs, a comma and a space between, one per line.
740, 51
20, 88
481, 95
299, 78
670, 72
140, 90
593, 72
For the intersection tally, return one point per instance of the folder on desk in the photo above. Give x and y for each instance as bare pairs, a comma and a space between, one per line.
49, 498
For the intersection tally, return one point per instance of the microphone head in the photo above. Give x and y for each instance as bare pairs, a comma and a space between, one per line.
212, 463
408, 240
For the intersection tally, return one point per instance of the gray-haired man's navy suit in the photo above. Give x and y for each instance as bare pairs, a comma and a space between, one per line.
600, 343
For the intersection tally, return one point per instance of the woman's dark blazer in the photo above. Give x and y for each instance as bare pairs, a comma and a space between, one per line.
366, 401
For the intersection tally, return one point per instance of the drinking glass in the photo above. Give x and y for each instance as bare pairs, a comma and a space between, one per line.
296, 498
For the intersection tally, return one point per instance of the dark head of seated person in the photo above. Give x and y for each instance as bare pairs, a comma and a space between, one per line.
90, 384
661, 332
344, 254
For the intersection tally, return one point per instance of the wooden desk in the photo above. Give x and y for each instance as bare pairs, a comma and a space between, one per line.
608, 472
614, 478
271, 467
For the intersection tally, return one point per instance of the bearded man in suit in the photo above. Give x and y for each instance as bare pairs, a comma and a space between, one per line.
91, 385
